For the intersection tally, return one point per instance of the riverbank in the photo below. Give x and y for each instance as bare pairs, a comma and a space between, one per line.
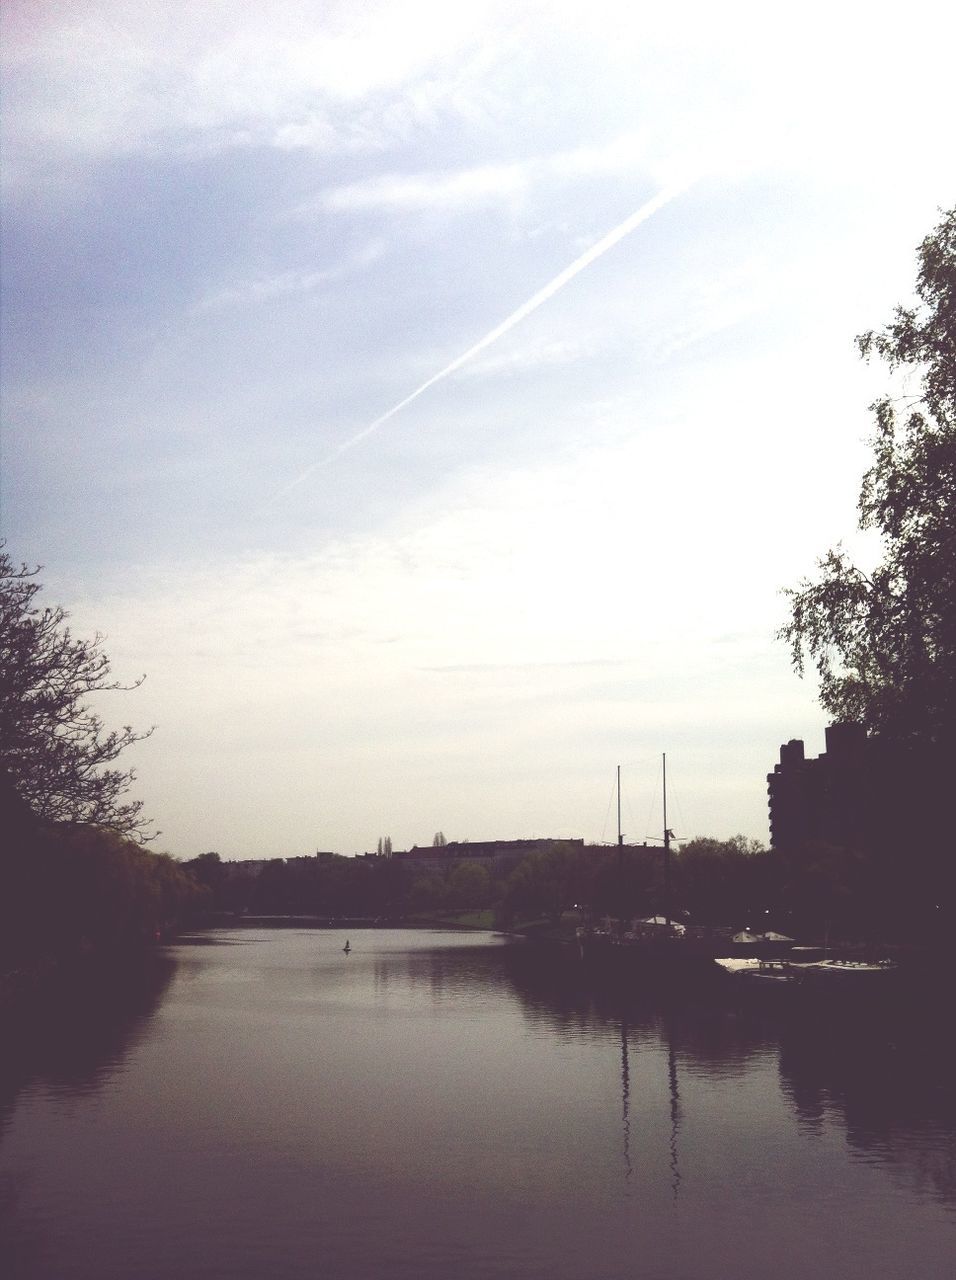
481, 920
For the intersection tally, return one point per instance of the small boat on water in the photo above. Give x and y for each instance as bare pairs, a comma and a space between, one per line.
836, 970
348, 946
752, 969
825, 973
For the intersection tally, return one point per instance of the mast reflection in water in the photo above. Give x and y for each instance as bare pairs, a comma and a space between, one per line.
438, 1104
674, 1106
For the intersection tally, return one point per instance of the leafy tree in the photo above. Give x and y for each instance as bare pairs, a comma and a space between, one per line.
884, 642
71, 890
724, 881
546, 883
428, 893
438, 840
709, 846
207, 868
53, 745
469, 885
273, 888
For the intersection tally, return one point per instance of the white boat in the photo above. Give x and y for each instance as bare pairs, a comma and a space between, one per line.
834, 970
821, 972
752, 970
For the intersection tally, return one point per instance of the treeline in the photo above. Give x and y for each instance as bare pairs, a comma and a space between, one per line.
73, 890
718, 878
716, 881
817, 890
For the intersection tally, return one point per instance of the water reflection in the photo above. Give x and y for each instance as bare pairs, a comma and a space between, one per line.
675, 1114
70, 1038
674, 1110
882, 1069
887, 1079
68, 1041
434, 1105
626, 1102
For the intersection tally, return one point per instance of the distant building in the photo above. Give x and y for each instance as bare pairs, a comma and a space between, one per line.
487, 853
246, 868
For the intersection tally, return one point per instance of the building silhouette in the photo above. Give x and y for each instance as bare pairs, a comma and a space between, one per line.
822, 800
882, 798
487, 853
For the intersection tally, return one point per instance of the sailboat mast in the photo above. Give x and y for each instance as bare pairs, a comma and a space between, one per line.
620, 849
667, 847
620, 837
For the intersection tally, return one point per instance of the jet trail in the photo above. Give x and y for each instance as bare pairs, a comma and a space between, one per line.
596, 251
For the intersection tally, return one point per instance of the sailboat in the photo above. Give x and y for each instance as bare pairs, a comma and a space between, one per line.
617, 933
663, 924
660, 939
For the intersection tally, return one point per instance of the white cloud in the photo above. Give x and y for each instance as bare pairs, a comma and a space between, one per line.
262, 288
463, 188
733, 89
102, 78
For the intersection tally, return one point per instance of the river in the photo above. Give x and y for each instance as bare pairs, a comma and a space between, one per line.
257, 1103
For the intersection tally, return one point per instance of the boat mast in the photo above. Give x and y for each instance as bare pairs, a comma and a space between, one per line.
667, 848
620, 849
620, 837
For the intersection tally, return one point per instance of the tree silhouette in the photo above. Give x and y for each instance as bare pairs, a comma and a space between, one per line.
53, 746
884, 643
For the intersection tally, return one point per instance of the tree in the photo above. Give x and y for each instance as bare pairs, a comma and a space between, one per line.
724, 881
469, 886
207, 869
884, 642
438, 840
546, 883
53, 745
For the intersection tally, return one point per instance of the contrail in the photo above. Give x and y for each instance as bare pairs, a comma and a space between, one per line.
596, 251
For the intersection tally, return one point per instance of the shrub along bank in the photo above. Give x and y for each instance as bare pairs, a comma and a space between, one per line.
72, 891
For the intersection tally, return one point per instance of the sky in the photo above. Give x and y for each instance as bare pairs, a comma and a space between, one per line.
434, 400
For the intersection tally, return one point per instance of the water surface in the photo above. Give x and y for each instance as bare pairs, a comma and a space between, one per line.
256, 1103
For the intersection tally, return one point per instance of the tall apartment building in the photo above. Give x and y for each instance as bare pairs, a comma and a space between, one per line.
821, 799
862, 793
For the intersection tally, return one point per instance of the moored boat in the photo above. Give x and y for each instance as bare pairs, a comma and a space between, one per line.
829, 973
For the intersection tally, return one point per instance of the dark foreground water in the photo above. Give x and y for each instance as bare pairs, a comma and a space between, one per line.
258, 1104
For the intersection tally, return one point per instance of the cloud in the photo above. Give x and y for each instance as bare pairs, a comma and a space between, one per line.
733, 82
509, 184
458, 668
104, 78
462, 188
284, 283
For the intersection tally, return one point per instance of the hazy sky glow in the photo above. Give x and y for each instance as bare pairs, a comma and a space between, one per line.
433, 399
